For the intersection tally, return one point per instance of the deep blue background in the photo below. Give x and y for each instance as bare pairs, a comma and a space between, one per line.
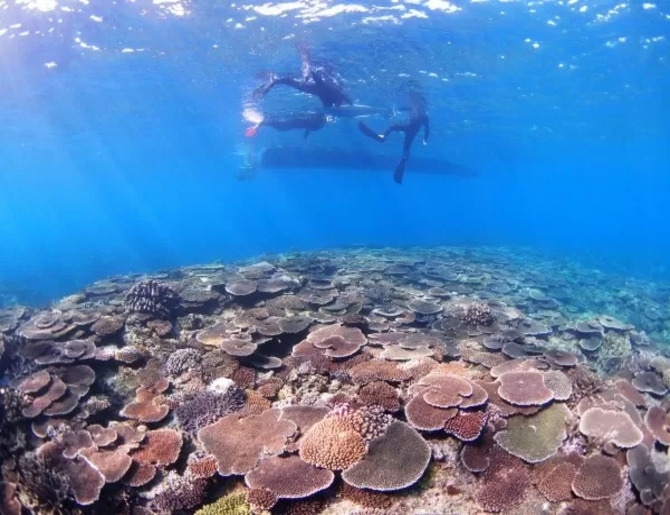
116, 162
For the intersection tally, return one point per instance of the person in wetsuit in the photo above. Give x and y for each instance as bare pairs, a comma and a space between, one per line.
418, 118
306, 121
318, 79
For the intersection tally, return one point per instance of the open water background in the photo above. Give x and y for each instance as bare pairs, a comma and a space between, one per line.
121, 133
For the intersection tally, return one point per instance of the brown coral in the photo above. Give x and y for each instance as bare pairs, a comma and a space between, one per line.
631, 393
107, 326
558, 383
650, 382
288, 477
504, 490
55, 391
261, 499
303, 416
160, 447
151, 378
34, 382
442, 391
74, 441
336, 341
352, 335
244, 377
466, 425
255, 403
524, 388
332, 444
127, 434
610, 425
475, 456
438, 401
381, 394
478, 313
239, 443
111, 464
203, 467
237, 347
145, 407
378, 370
561, 358
139, 474
504, 408
85, 481
599, 477
658, 422
370, 422
556, 486
101, 436
9, 504
425, 417
270, 387
368, 498
393, 462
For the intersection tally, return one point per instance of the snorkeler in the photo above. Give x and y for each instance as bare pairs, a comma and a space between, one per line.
418, 117
306, 121
318, 78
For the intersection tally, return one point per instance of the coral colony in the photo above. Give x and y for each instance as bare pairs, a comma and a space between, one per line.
354, 382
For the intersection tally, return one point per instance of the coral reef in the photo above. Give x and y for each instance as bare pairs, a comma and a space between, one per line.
361, 381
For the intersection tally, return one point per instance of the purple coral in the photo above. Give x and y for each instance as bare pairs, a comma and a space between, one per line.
182, 360
152, 297
206, 407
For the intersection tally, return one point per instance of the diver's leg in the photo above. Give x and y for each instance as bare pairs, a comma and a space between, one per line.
396, 127
406, 146
273, 81
283, 124
370, 133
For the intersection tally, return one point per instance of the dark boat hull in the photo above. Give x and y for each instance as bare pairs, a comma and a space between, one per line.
295, 157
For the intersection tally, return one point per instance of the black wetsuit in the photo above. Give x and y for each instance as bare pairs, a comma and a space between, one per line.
318, 79
418, 117
309, 122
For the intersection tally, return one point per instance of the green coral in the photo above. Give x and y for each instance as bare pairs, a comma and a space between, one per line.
662, 365
666, 377
232, 504
538, 437
615, 345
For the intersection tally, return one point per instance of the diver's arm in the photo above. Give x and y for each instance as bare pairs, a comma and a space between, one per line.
426, 130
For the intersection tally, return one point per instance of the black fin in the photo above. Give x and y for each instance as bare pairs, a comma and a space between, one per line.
399, 171
369, 132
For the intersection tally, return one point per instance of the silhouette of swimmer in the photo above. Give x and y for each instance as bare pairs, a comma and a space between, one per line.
307, 121
418, 117
318, 79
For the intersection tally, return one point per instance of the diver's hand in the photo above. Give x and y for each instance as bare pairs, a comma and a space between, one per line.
424, 141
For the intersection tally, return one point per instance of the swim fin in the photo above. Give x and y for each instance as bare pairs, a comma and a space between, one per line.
399, 171
251, 131
369, 132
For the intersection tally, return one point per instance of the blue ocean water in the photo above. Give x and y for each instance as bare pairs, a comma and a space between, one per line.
122, 133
